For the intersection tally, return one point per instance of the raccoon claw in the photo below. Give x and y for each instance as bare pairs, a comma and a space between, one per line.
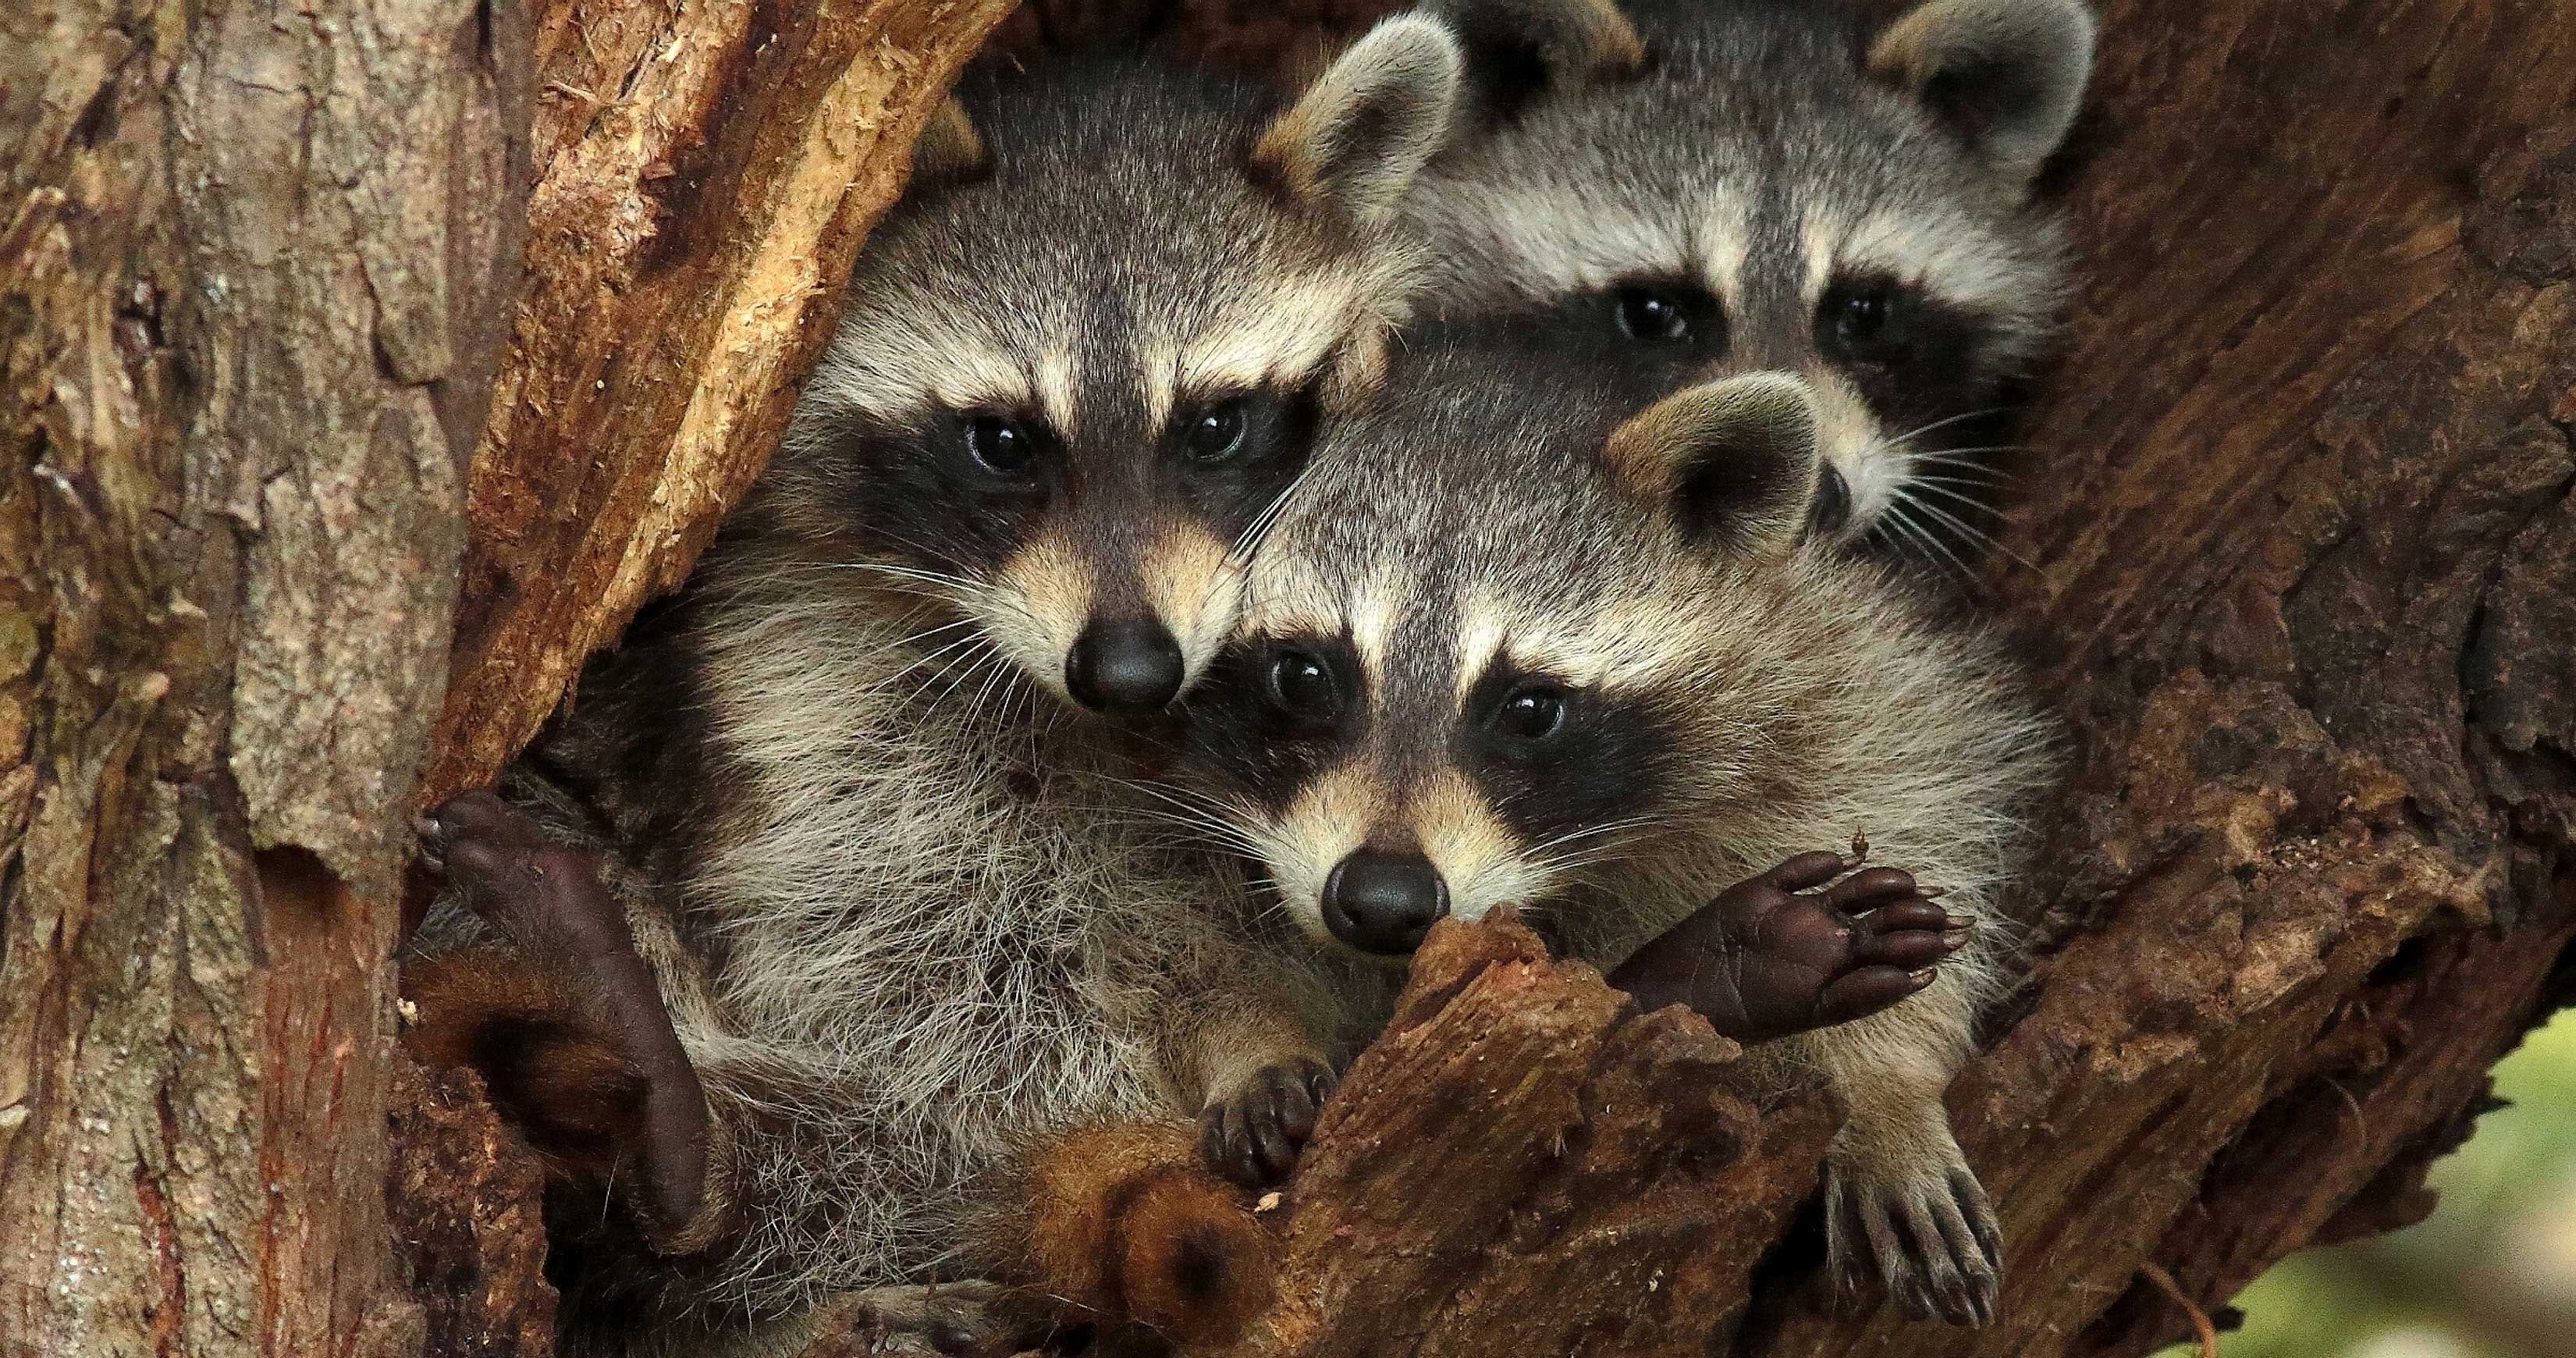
1930, 1241
549, 899
1772, 956
1253, 1133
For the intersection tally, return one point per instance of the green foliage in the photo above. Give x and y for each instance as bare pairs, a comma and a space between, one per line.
2508, 1204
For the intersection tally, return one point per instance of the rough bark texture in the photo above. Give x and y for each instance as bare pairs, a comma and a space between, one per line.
253, 258
706, 172
463, 1195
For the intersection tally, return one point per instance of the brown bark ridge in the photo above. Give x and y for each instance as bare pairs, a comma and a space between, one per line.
2298, 561
252, 261
463, 1192
705, 174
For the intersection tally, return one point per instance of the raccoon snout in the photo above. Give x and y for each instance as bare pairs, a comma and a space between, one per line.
1382, 902
1128, 665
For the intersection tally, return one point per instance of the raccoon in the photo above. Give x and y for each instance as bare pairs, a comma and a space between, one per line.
1088, 349
906, 910
1725, 186
1528, 649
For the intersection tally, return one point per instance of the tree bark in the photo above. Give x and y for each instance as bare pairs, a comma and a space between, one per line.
706, 172
253, 257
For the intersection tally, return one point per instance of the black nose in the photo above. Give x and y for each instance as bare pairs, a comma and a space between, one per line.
1128, 665
1384, 902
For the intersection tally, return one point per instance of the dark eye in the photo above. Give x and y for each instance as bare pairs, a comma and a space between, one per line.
1652, 316
1865, 323
1531, 713
1000, 445
1302, 686
1217, 434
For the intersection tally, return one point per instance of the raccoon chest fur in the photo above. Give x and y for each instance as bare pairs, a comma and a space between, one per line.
926, 884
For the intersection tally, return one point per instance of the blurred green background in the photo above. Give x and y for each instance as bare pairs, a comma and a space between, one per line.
2491, 1274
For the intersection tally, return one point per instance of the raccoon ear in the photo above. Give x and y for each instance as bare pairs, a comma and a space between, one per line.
1520, 50
1355, 139
2005, 75
1735, 461
949, 146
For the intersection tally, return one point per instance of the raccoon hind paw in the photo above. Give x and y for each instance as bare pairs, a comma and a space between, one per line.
1928, 1238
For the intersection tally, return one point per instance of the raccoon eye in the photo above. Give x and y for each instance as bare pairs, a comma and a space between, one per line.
1652, 317
1000, 445
1864, 323
1301, 685
1532, 713
1217, 433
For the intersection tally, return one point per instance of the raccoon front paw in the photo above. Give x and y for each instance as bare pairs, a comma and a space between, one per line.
947, 1320
1252, 1132
1927, 1235
549, 899
1771, 957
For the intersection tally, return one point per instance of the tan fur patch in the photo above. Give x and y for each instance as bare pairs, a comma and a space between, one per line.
1480, 858
1042, 600
1193, 584
1334, 814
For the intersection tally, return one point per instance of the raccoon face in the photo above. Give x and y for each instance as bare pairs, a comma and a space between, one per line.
1455, 711
1085, 356
1741, 189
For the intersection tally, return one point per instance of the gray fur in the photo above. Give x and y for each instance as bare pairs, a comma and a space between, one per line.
1755, 154
907, 910
1788, 704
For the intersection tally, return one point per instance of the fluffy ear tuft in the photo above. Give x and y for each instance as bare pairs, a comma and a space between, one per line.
1519, 50
1735, 461
949, 146
1353, 142
2006, 75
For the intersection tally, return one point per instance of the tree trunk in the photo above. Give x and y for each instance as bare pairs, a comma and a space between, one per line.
705, 174
253, 258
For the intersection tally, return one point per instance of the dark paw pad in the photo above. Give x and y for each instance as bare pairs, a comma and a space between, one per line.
1253, 1133
1772, 955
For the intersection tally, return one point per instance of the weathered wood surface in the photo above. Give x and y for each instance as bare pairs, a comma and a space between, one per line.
706, 171
253, 260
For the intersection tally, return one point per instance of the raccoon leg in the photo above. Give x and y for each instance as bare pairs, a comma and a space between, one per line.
1771, 956
550, 901
1901, 1202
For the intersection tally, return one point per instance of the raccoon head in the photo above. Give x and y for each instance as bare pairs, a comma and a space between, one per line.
1463, 677
1084, 356
1728, 188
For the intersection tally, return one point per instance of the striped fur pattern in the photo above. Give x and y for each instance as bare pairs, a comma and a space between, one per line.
1722, 704
911, 912
1725, 186
1086, 353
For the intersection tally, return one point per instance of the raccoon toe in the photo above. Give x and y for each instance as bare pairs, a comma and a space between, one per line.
1252, 1134
504, 866
1860, 993
1909, 937
1928, 1241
